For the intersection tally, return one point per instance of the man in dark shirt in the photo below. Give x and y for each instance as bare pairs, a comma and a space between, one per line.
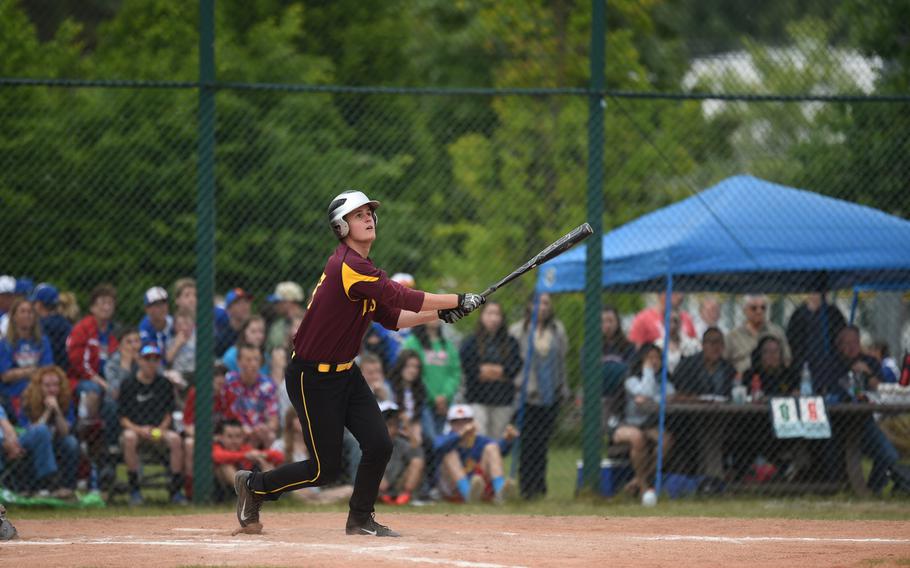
146, 402
812, 330
56, 327
325, 385
707, 372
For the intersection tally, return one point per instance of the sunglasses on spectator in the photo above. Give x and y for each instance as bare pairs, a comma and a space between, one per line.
755, 307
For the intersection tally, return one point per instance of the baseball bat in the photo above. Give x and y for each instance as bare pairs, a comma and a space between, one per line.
555, 249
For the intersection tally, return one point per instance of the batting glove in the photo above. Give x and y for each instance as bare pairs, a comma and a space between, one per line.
469, 302
451, 315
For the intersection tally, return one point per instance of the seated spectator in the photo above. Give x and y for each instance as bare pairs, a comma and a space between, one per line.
441, 370
90, 345
54, 326
222, 403
230, 452
157, 327
47, 410
881, 352
289, 296
124, 362
237, 309
679, 345
146, 403
255, 398
410, 396
706, 372
491, 360
7, 295
22, 351
371, 369
185, 296
251, 333
35, 445
404, 472
472, 464
639, 426
182, 347
743, 340
68, 307
775, 377
648, 324
295, 450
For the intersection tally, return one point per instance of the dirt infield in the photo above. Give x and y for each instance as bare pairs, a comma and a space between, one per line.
471, 541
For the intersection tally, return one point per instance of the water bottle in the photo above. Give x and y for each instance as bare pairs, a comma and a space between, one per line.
738, 392
805, 381
756, 388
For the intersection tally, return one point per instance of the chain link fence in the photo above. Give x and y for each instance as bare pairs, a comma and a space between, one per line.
99, 179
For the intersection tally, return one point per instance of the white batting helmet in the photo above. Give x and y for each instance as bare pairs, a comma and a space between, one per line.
344, 203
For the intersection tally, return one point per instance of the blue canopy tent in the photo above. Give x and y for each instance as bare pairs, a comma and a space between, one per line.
745, 235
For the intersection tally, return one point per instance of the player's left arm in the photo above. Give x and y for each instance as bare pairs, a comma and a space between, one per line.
410, 319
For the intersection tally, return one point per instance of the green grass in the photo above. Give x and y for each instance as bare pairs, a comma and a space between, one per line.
560, 500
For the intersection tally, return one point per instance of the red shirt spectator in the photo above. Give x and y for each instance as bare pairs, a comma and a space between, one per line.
648, 325
91, 342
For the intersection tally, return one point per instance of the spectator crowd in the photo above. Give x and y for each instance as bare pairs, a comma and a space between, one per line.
86, 396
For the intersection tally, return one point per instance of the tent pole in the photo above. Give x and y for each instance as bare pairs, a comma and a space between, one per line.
668, 308
853, 304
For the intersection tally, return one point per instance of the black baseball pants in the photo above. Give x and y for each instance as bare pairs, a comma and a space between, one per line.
326, 403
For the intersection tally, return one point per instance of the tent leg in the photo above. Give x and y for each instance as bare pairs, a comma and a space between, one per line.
668, 308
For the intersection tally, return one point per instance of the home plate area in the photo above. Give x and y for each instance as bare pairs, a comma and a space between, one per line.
470, 541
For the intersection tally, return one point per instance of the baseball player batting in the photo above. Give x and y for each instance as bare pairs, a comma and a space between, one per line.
323, 381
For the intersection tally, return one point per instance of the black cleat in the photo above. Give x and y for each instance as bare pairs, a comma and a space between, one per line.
248, 503
369, 527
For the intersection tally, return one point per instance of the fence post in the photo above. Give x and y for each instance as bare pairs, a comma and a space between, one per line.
591, 369
205, 257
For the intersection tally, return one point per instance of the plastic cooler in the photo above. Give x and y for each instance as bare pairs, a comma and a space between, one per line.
614, 474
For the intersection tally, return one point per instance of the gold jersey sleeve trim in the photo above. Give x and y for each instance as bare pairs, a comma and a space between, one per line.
349, 277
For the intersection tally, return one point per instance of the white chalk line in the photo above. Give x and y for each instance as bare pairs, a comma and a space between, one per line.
748, 539
257, 545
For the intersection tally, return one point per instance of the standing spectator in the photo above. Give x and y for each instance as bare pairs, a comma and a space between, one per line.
185, 296
255, 398
708, 315
157, 327
289, 305
546, 387
648, 325
7, 295
616, 356
55, 327
47, 408
252, 332
146, 403
706, 372
811, 331
491, 361
743, 340
679, 345
238, 305
441, 370
639, 427
22, 351
92, 342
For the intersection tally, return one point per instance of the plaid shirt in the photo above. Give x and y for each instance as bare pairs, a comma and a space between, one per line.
254, 404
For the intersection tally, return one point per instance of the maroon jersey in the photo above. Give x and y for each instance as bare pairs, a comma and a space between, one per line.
350, 295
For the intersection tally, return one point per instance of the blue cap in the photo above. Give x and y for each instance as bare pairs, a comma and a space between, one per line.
149, 350
234, 295
45, 293
24, 286
273, 298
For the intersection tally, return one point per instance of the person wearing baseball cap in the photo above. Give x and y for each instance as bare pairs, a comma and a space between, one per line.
54, 325
146, 400
471, 463
157, 327
238, 305
7, 295
288, 305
